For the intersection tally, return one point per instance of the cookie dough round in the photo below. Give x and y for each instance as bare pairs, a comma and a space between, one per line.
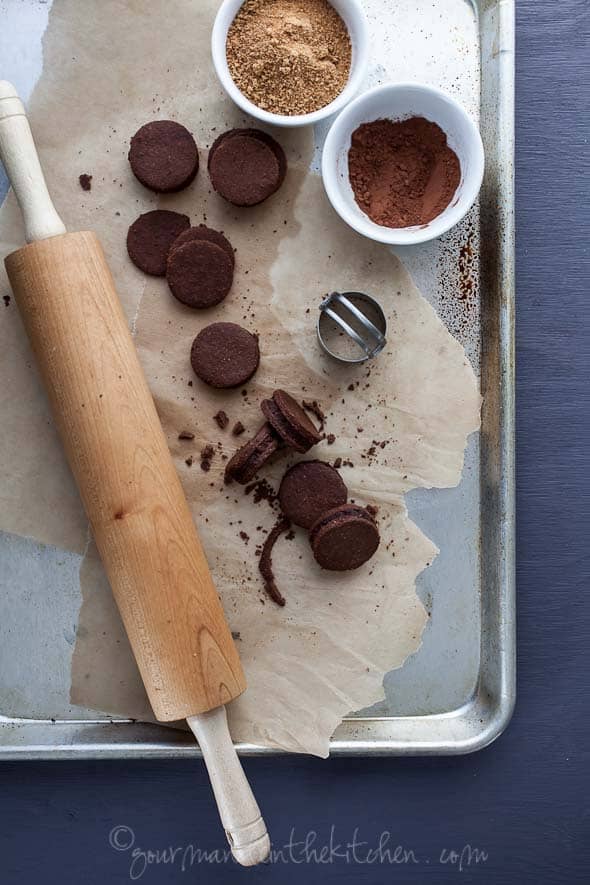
150, 237
290, 421
246, 166
309, 489
344, 538
200, 274
164, 156
202, 232
225, 355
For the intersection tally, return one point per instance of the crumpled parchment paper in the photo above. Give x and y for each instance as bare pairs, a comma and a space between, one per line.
109, 68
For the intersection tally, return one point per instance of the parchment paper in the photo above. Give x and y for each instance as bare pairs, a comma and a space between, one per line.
108, 68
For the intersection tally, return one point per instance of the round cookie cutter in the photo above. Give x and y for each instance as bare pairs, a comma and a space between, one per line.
350, 322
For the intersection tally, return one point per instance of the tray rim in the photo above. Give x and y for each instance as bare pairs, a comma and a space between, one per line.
484, 717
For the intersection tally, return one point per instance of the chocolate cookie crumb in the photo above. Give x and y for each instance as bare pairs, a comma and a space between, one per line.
337, 463
236, 635
330, 439
244, 536
6, 299
221, 419
238, 428
265, 563
206, 457
189, 461
315, 409
85, 181
186, 434
263, 491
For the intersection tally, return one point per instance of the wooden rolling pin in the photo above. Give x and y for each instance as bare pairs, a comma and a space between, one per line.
118, 454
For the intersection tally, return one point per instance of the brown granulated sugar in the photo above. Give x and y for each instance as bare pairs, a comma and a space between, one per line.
289, 56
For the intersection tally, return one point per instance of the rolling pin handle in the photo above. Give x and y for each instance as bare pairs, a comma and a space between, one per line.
19, 157
240, 815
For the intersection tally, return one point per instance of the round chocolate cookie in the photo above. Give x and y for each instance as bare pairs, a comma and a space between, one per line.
248, 460
309, 489
164, 156
200, 274
264, 137
246, 166
202, 232
290, 421
225, 355
344, 538
150, 237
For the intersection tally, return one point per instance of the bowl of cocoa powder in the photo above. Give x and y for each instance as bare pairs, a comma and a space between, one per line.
403, 163
290, 62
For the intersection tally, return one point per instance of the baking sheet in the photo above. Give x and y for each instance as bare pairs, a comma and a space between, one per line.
448, 510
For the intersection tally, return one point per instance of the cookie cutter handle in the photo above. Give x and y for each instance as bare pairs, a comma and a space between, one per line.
348, 330
340, 309
365, 322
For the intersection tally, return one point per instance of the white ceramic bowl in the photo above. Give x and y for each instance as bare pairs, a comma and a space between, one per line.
397, 101
353, 15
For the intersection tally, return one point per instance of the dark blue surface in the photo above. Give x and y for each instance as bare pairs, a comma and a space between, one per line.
523, 801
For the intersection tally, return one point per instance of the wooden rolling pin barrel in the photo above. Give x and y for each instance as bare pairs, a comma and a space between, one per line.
118, 454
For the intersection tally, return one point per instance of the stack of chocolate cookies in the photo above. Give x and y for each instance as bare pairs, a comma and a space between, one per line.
198, 262
312, 494
287, 426
246, 166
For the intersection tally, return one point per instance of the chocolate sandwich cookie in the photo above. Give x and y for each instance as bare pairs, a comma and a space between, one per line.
225, 355
290, 421
344, 538
200, 273
202, 232
248, 460
246, 166
309, 489
150, 237
164, 156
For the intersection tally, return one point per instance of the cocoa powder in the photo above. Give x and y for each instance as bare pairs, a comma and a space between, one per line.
402, 172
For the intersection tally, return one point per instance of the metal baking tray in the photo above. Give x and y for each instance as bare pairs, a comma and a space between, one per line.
456, 694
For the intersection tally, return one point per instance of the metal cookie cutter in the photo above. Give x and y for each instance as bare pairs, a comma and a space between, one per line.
349, 322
